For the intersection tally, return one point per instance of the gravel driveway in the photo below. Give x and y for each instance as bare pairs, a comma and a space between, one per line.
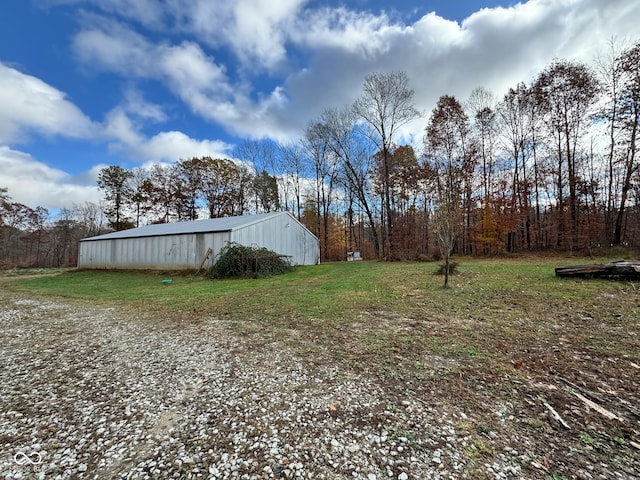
90, 392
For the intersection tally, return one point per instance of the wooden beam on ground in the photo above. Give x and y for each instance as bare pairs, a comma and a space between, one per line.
621, 269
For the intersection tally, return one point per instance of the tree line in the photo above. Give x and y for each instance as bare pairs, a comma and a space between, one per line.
551, 165
30, 237
184, 191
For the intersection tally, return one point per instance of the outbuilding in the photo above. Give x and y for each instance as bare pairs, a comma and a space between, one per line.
197, 244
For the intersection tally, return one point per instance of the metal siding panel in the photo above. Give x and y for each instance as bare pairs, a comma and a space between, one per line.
281, 234
163, 251
139, 249
96, 254
154, 251
148, 246
217, 242
116, 253
126, 255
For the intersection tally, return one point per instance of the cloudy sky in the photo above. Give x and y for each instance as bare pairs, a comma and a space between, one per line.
89, 83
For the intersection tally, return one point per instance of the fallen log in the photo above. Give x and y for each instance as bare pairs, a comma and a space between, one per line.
594, 406
621, 269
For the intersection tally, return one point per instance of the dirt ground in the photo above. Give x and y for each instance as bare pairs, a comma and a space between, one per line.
88, 392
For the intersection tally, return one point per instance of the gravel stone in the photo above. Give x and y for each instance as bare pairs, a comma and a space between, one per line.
100, 394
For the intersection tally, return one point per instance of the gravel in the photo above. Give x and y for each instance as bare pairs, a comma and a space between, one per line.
90, 392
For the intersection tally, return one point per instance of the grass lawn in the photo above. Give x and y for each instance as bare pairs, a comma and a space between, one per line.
373, 308
507, 332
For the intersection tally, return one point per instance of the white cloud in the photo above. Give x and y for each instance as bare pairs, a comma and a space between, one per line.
119, 126
195, 78
139, 107
191, 74
357, 33
174, 145
167, 146
333, 50
35, 184
493, 48
256, 31
29, 105
112, 47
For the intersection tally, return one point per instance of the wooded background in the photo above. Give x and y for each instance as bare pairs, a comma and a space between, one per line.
551, 165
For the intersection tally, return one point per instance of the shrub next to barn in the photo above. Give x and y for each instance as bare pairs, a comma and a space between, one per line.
241, 261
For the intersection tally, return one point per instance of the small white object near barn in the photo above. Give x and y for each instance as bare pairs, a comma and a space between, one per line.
197, 244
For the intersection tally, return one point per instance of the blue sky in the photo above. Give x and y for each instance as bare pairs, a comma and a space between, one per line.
89, 83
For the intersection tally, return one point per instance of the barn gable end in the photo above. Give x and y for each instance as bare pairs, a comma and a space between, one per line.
182, 245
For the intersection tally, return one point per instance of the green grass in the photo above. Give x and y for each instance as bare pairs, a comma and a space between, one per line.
335, 290
326, 290
501, 293
373, 307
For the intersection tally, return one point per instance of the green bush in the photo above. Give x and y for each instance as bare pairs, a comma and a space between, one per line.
239, 261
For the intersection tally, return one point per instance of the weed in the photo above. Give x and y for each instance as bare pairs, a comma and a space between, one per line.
470, 351
586, 439
619, 441
464, 426
483, 449
392, 373
557, 476
477, 450
535, 423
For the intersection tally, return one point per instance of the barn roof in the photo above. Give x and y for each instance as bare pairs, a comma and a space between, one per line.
210, 225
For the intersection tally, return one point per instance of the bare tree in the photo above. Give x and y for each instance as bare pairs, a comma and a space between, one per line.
516, 135
324, 167
340, 133
293, 171
385, 105
90, 217
610, 73
566, 93
481, 106
4, 203
630, 118
15, 218
261, 154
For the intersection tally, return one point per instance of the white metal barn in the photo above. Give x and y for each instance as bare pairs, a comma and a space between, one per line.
184, 245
